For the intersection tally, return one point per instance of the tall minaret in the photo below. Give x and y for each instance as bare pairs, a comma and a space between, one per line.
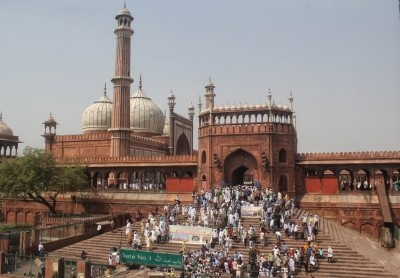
120, 124
210, 95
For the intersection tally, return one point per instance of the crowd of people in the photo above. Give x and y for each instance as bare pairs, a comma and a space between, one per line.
221, 210
146, 185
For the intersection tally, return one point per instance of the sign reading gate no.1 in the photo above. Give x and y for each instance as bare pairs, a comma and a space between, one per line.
151, 258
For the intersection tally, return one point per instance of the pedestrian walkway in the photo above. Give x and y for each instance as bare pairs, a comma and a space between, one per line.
370, 248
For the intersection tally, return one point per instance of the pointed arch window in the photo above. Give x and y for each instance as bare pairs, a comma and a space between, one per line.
283, 183
282, 156
203, 157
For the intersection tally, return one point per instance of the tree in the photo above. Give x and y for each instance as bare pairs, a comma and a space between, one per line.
36, 177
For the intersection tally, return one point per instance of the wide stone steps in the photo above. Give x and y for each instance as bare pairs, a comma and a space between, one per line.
347, 262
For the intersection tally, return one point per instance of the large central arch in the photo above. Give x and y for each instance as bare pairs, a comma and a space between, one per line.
238, 175
239, 167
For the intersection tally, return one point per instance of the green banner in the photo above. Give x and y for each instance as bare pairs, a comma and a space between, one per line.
151, 258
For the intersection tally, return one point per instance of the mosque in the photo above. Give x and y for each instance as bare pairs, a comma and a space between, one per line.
127, 142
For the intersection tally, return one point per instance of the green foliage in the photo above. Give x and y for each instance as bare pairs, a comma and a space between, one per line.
14, 227
36, 176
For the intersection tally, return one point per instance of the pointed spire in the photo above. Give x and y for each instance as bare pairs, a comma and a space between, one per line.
210, 83
124, 5
140, 81
291, 101
199, 104
269, 98
191, 111
105, 88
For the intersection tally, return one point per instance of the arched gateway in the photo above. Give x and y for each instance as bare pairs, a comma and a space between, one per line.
239, 167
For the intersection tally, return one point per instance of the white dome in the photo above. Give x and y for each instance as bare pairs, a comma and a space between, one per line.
4, 129
146, 116
50, 120
97, 117
124, 11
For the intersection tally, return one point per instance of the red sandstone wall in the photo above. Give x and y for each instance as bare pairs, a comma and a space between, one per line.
180, 185
326, 184
329, 184
88, 145
313, 185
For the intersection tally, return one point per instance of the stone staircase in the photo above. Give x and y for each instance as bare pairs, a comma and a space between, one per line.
347, 261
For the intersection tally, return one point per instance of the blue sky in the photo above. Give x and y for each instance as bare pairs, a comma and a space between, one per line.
340, 59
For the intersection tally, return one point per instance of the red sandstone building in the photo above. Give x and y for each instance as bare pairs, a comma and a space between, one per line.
128, 141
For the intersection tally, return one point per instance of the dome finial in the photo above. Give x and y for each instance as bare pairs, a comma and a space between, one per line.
1, 116
140, 82
124, 5
105, 88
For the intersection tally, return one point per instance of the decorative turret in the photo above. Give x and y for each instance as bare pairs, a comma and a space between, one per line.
50, 126
209, 95
8, 141
4, 129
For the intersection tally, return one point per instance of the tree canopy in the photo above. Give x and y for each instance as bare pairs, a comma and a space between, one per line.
35, 176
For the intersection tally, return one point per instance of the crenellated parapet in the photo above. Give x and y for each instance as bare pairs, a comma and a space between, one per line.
173, 160
85, 137
257, 128
348, 155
